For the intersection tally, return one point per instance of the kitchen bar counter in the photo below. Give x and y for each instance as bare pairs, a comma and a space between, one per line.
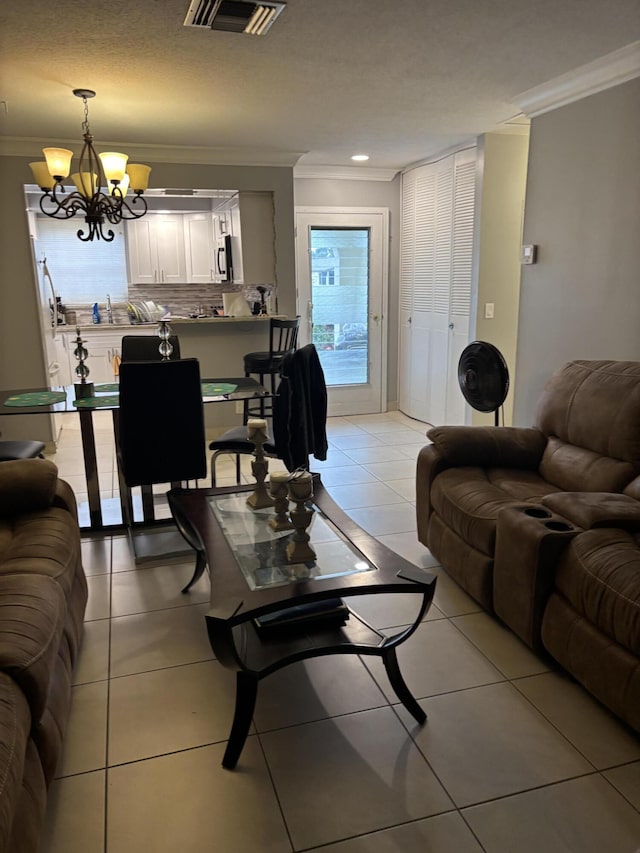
176, 321
130, 328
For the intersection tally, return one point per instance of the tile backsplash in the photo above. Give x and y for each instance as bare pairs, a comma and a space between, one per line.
183, 299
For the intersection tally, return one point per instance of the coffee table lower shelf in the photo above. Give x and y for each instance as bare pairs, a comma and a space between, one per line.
262, 655
251, 579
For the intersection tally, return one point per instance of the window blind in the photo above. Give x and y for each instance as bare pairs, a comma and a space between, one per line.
82, 272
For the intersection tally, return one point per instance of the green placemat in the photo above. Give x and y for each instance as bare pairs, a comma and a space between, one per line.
214, 389
96, 402
111, 386
36, 398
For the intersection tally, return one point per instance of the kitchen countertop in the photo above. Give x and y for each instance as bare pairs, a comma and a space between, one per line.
173, 321
176, 320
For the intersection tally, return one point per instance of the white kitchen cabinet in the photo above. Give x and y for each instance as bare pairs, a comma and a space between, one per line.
183, 248
252, 238
200, 247
102, 347
156, 250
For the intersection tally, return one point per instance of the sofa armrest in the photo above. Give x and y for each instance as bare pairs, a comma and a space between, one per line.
429, 464
65, 498
27, 485
530, 540
596, 509
489, 447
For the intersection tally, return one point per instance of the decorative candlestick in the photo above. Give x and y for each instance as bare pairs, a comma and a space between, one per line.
83, 388
257, 433
279, 491
166, 347
300, 489
263, 305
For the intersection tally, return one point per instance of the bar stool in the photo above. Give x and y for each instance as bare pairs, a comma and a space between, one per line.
20, 450
283, 338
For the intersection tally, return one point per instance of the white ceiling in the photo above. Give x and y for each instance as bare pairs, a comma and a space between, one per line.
400, 80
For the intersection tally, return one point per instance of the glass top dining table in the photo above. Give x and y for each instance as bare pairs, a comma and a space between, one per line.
61, 399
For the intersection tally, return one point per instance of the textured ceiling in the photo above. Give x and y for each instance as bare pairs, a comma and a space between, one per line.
398, 79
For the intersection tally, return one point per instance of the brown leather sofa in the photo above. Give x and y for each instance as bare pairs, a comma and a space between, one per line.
43, 593
541, 525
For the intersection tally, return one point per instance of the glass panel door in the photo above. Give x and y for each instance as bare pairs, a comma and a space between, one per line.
341, 272
339, 260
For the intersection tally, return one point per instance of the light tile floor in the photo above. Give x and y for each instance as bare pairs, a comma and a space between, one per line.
514, 757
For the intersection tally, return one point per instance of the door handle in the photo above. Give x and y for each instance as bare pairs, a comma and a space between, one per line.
451, 326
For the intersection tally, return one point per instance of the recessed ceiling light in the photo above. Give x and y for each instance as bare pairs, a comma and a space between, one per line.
360, 157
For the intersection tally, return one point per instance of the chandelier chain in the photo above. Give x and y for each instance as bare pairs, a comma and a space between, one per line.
85, 123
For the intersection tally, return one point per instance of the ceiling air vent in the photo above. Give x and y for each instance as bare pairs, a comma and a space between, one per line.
233, 16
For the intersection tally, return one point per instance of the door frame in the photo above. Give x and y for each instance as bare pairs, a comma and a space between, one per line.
383, 307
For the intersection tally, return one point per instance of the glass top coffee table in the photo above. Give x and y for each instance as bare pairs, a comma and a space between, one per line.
267, 612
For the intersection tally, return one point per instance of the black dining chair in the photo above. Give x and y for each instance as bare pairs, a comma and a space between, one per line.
299, 417
10, 450
160, 437
147, 348
283, 338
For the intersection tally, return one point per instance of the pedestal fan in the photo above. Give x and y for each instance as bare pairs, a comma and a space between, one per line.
483, 377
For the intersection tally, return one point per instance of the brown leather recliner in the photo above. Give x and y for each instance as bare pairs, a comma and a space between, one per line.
43, 593
541, 525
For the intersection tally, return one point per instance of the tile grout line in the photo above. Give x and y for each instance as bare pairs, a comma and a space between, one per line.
106, 755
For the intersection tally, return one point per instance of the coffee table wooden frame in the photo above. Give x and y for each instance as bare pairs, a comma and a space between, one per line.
236, 642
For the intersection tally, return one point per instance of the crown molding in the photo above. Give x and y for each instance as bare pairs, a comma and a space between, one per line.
447, 152
345, 173
12, 146
603, 73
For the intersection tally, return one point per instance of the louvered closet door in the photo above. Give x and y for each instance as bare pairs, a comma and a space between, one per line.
462, 261
435, 286
409, 399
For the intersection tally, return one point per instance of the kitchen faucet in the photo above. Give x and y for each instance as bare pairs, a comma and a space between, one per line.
109, 311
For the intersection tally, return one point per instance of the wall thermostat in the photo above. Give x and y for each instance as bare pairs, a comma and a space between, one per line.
528, 254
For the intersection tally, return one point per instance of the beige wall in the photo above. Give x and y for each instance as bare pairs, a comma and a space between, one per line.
21, 356
502, 172
582, 298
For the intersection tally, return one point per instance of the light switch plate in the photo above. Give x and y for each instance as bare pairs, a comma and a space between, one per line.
528, 254
488, 310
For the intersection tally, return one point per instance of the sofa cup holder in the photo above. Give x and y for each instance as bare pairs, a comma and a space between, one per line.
558, 526
537, 512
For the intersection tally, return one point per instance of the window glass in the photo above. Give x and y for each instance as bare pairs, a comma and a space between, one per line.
82, 272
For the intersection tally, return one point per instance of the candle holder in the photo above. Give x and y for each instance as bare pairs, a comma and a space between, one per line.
300, 490
166, 347
83, 388
263, 305
257, 433
279, 491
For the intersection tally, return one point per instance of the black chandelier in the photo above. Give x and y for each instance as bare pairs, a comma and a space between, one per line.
95, 171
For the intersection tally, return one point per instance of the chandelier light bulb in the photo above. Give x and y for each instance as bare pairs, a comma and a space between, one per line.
123, 186
114, 165
86, 183
41, 175
138, 176
58, 162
